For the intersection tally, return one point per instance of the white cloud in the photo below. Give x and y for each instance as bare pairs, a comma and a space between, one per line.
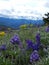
26, 8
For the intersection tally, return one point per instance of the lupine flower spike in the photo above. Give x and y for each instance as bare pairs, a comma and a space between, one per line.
16, 40
29, 44
3, 47
34, 56
47, 29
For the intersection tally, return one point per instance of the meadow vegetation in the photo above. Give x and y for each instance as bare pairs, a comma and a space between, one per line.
25, 46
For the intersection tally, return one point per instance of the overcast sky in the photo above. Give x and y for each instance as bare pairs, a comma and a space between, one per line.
25, 8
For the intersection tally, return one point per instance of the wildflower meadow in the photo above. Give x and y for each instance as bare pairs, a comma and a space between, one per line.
25, 46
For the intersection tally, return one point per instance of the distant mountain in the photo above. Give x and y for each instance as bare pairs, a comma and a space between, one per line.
15, 23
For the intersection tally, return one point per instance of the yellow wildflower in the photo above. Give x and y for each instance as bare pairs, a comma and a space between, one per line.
2, 33
9, 28
23, 26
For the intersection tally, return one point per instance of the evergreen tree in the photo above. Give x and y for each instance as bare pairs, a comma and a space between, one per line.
46, 19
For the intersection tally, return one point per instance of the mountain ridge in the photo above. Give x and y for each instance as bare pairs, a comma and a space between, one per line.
15, 23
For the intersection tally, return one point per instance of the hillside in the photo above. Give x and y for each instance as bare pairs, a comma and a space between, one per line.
15, 23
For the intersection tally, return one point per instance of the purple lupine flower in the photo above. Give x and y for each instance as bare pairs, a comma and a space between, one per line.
38, 38
29, 43
3, 47
36, 46
15, 39
47, 29
34, 56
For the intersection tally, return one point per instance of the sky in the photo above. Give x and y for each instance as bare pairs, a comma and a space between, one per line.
30, 9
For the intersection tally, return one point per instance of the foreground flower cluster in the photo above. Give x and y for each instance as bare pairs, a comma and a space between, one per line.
16, 50
35, 46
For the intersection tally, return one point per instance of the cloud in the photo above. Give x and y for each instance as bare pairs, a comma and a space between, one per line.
4, 0
24, 8
47, 4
